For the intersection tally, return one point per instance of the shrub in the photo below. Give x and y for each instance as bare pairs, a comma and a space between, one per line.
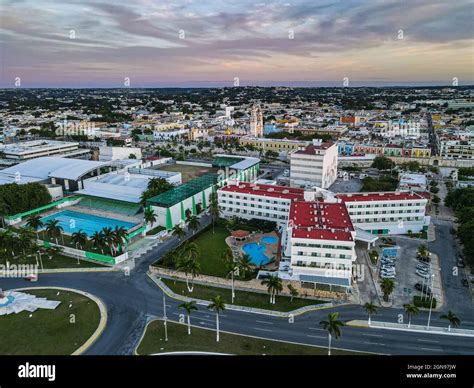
418, 301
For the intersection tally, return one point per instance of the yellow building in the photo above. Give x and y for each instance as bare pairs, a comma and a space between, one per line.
277, 145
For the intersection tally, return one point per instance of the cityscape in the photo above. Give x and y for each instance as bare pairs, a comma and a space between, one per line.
250, 180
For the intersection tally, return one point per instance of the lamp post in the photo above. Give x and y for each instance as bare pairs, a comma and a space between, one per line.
164, 317
431, 302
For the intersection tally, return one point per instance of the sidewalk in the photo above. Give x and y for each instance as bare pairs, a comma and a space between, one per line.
412, 328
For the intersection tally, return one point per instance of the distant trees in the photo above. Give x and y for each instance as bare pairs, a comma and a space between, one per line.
383, 183
155, 187
15, 198
383, 163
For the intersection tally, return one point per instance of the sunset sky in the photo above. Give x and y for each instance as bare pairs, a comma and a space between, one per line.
100, 43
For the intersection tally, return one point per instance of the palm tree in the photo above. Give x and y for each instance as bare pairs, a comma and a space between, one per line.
193, 223
387, 286
53, 251
98, 240
293, 292
333, 327
370, 308
188, 262
274, 287
150, 216
79, 238
245, 266
423, 250
178, 232
53, 229
34, 222
109, 238
189, 307
410, 310
119, 235
218, 305
25, 239
214, 208
452, 318
232, 268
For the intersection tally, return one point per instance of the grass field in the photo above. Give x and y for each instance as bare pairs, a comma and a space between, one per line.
50, 332
211, 247
58, 261
188, 172
204, 340
242, 298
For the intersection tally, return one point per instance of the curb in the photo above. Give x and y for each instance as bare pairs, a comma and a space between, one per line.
413, 329
98, 301
279, 314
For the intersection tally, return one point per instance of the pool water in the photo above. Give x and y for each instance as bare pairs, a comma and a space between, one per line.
72, 221
269, 240
255, 252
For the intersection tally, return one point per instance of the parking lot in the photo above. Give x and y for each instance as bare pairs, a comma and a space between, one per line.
350, 186
405, 275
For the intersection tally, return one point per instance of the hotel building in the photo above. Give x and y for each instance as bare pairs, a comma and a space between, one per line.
314, 165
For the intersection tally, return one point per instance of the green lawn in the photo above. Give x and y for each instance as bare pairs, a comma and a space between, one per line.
211, 247
242, 298
58, 261
50, 332
204, 340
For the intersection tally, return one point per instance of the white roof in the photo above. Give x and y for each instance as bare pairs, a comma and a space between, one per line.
40, 169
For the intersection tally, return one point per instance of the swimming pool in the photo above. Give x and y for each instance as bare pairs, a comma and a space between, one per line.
255, 252
269, 240
72, 221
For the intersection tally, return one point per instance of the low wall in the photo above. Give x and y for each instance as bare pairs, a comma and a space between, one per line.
251, 285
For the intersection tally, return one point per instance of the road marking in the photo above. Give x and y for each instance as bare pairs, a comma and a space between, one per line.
372, 335
315, 328
432, 350
267, 323
316, 336
258, 328
374, 343
425, 340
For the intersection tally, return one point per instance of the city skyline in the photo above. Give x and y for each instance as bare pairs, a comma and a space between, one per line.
191, 44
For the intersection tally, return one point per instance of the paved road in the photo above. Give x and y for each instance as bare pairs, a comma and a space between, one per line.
133, 299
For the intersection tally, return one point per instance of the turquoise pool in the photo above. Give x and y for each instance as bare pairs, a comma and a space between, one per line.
72, 221
255, 252
269, 240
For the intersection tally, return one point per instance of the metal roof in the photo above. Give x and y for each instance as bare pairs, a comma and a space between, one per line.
345, 282
186, 190
40, 169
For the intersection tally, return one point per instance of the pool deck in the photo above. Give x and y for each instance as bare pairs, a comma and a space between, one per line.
272, 251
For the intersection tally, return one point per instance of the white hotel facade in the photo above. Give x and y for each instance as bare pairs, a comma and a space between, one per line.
314, 165
319, 229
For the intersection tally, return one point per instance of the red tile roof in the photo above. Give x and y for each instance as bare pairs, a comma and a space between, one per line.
321, 221
386, 196
265, 190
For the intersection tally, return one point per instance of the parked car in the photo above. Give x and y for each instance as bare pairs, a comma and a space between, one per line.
461, 263
387, 276
423, 267
424, 288
425, 275
424, 259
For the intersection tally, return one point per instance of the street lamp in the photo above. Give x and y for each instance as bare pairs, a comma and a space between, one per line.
431, 302
164, 317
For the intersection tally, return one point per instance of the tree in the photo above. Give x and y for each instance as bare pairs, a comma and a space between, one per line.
410, 310
98, 240
109, 238
119, 236
245, 266
193, 223
231, 268
178, 232
452, 318
53, 229
217, 305
333, 327
34, 222
423, 250
188, 262
382, 163
370, 309
214, 208
387, 286
189, 307
79, 238
274, 286
293, 292
150, 216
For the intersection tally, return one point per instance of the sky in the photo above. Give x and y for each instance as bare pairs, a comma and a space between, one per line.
153, 43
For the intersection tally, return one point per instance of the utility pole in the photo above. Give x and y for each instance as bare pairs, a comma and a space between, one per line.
431, 302
165, 317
